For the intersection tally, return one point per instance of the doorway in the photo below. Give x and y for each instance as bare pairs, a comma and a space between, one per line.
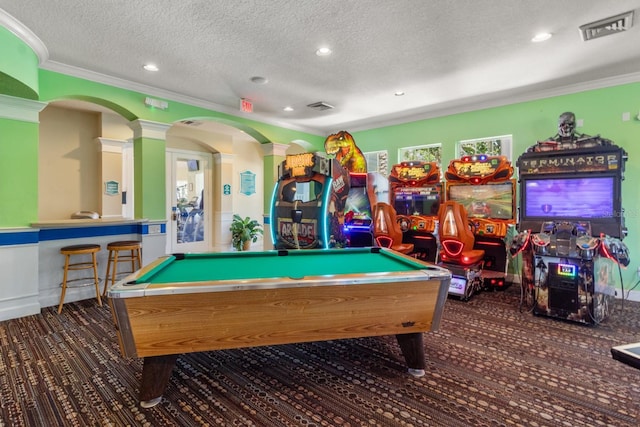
189, 199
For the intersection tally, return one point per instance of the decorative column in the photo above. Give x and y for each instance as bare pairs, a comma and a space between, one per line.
222, 205
274, 155
149, 166
19, 258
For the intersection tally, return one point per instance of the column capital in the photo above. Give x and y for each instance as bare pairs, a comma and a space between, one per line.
25, 110
111, 145
274, 149
148, 129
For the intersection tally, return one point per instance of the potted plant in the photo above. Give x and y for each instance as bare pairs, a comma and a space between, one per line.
243, 232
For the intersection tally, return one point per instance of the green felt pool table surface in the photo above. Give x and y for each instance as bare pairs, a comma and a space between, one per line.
201, 267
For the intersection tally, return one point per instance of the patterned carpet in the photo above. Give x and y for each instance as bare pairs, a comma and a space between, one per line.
489, 365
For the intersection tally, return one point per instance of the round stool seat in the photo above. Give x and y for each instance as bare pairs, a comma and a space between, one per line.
124, 245
73, 250
134, 255
79, 249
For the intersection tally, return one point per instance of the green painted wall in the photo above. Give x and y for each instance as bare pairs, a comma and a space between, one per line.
18, 67
150, 178
601, 111
18, 173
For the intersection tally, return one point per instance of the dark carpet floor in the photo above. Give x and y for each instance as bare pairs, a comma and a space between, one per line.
489, 365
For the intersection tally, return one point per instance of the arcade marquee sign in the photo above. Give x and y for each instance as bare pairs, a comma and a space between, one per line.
479, 169
300, 164
535, 163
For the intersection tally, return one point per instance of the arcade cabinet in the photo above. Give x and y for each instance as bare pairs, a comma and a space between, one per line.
416, 193
358, 211
483, 185
571, 224
364, 189
307, 207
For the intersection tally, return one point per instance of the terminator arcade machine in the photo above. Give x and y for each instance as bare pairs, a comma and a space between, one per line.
571, 227
483, 185
416, 193
307, 207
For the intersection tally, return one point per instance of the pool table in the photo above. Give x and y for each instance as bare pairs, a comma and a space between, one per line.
213, 301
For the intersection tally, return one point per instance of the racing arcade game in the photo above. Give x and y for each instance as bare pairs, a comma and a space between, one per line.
416, 193
483, 185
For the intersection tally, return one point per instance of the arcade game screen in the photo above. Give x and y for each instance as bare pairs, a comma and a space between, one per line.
588, 197
417, 200
495, 201
358, 203
303, 191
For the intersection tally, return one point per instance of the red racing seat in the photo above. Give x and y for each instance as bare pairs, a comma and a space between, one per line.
386, 230
456, 238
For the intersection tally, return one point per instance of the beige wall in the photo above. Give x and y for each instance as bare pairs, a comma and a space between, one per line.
69, 163
248, 155
110, 170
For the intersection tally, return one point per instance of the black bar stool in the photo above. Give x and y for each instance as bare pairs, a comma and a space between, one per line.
135, 255
74, 250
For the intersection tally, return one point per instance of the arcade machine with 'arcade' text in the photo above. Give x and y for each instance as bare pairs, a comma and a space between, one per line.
307, 208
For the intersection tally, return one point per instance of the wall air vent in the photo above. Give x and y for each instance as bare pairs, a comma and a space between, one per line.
320, 106
604, 27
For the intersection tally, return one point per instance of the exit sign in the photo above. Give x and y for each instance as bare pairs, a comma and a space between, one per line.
246, 106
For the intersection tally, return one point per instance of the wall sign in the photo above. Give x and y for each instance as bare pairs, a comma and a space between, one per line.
111, 188
226, 189
247, 183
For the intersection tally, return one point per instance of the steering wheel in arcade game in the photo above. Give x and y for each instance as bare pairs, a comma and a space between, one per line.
404, 222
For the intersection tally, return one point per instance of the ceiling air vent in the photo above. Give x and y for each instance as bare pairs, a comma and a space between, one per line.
604, 27
320, 106
191, 122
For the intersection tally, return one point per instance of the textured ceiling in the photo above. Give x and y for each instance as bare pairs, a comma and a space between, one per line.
446, 55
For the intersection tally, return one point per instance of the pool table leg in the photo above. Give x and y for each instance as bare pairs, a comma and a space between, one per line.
156, 372
412, 347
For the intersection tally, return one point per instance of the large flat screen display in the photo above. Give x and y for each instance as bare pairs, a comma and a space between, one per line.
494, 201
575, 197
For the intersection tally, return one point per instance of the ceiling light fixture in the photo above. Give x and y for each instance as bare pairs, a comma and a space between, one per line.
541, 37
150, 67
288, 108
323, 51
259, 80
399, 93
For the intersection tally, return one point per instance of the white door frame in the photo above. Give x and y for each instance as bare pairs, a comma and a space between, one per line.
205, 163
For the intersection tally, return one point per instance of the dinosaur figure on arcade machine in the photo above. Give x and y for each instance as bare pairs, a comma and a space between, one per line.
362, 197
571, 224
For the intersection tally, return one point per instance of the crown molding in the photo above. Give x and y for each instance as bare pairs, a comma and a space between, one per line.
165, 94
25, 110
25, 34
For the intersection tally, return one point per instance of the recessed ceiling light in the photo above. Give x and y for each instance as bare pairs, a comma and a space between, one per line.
399, 93
541, 37
259, 80
288, 108
323, 51
150, 67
